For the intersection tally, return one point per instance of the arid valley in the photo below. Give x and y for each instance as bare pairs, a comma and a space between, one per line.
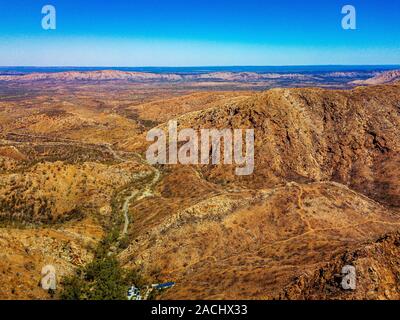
325, 191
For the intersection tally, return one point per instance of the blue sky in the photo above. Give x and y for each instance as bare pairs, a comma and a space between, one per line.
198, 33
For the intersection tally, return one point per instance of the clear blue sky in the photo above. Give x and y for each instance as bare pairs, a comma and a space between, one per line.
198, 33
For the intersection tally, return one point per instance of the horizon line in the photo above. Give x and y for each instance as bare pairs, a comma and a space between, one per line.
206, 66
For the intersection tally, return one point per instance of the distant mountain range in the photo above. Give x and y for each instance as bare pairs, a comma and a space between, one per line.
381, 78
350, 78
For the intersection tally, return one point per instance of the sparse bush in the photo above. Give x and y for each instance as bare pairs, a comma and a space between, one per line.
101, 279
124, 243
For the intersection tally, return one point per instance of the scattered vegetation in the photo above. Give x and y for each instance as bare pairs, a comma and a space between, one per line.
103, 278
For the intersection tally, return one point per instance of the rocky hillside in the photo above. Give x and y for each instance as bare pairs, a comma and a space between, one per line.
307, 135
326, 183
377, 265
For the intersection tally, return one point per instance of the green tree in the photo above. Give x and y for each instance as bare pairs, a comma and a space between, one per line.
101, 279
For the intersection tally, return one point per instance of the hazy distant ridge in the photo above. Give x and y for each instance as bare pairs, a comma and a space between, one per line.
106, 75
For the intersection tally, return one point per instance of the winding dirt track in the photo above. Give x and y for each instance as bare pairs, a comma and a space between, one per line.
135, 195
